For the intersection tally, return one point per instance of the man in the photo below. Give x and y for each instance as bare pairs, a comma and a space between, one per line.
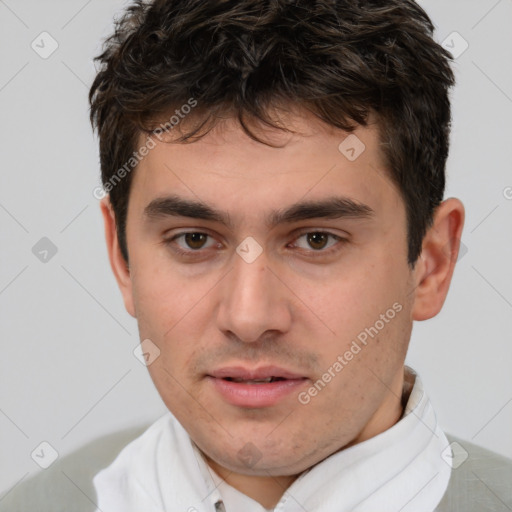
275, 221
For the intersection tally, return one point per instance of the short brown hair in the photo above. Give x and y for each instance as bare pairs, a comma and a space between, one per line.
339, 59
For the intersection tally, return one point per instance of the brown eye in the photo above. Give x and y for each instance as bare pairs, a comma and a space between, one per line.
318, 243
195, 240
190, 243
317, 240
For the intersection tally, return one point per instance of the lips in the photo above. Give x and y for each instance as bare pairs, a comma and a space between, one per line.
255, 388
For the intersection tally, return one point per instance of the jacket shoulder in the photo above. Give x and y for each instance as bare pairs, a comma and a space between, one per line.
480, 481
66, 486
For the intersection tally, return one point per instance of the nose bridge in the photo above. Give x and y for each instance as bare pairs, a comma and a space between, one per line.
251, 301
249, 286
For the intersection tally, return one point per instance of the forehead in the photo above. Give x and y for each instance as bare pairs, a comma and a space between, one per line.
229, 171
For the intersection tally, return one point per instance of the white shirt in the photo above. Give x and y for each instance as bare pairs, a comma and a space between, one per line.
400, 469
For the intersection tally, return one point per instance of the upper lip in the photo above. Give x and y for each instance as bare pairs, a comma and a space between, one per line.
264, 372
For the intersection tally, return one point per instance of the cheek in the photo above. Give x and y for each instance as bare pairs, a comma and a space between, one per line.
365, 319
161, 297
354, 297
172, 313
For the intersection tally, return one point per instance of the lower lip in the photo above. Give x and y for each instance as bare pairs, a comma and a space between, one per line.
256, 395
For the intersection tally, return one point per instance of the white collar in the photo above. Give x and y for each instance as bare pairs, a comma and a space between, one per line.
399, 469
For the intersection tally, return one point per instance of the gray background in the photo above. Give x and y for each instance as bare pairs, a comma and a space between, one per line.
67, 371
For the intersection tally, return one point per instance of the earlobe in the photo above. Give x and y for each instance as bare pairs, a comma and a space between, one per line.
118, 264
438, 258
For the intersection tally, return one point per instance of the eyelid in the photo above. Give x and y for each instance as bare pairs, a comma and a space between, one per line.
303, 231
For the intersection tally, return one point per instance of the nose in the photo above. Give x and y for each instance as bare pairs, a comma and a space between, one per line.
253, 301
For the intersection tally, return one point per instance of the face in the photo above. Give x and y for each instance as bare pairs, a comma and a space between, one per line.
260, 286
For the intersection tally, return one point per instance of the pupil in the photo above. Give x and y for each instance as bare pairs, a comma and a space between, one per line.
194, 238
314, 239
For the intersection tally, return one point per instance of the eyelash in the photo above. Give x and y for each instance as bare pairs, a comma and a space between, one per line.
314, 254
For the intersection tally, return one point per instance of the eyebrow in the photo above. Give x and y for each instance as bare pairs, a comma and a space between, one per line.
334, 207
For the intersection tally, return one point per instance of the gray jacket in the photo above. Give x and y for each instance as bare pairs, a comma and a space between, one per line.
482, 483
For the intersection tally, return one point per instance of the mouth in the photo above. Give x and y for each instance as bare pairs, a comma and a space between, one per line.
264, 373
255, 388
255, 381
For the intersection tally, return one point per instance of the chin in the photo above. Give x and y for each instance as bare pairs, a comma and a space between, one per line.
256, 455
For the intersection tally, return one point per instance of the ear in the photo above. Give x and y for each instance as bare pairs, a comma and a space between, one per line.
117, 262
435, 266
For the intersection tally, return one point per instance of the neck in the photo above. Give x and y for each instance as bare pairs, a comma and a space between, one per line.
390, 411
266, 490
